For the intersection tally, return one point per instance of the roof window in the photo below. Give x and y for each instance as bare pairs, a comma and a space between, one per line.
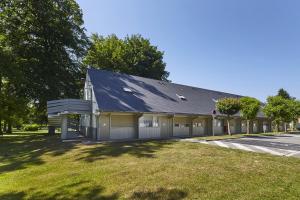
125, 89
181, 97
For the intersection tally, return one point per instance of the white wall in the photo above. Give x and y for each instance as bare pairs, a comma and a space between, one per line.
182, 131
149, 132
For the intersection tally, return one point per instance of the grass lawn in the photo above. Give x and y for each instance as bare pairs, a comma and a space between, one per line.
36, 166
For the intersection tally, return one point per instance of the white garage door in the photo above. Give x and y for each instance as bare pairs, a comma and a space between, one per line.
122, 127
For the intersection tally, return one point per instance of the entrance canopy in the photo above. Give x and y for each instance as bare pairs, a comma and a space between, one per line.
58, 111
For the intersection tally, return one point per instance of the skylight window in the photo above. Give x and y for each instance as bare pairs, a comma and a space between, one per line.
125, 89
181, 97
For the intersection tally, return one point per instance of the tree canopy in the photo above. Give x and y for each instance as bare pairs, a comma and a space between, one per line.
228, 107
47, 41
133, 55
278, 109
284, 94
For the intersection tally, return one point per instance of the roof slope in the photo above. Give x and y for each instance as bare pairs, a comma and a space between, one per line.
149, 95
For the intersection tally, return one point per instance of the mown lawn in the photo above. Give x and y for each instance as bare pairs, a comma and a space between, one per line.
36, 166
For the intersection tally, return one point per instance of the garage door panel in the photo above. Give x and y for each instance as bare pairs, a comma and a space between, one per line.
118, 133
181, 132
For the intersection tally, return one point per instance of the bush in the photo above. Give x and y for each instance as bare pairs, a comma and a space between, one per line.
31, 127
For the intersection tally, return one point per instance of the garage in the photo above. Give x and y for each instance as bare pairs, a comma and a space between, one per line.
123, 127
149, 127
181, 127
199, 127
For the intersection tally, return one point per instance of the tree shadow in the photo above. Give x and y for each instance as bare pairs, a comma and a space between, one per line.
139, 149
17, 152
110, 95
80, 190
12, 196
161, 193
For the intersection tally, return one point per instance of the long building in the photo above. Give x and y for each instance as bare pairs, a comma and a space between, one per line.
122, 107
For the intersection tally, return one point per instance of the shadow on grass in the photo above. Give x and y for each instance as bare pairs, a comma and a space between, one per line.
161, 193
17, 152
140, 149
81, 190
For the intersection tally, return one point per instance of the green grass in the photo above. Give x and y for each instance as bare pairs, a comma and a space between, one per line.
36, 166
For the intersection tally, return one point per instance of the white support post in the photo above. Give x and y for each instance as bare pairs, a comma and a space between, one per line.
64, 127
213, 126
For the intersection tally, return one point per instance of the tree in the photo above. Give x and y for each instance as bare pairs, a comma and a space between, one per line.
12, 105
249, 109
228, 107
132, 55
295, 109
48, 42
279, 110
284, 94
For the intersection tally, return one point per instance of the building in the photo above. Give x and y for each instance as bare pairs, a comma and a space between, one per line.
123, 107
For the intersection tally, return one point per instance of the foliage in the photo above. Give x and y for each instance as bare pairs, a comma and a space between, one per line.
249, 109
132, 55
31, 127
284, 94
279, 109
228, 107
48, 41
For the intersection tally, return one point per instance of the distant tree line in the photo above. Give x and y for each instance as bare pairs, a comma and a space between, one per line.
44, 53
280, 109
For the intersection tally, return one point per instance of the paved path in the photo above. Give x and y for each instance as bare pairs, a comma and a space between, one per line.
284, 145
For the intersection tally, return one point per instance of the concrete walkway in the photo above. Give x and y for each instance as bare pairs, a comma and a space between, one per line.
284, 145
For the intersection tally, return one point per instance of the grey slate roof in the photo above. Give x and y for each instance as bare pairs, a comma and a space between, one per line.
150, 95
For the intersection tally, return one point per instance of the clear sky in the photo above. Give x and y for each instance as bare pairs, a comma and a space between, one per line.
247, 47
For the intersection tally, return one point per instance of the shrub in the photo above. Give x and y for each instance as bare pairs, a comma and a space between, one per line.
31, 127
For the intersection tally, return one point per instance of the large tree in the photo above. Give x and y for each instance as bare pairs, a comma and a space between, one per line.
132, 55
12, 104
228, 107
279, 110
284, 94
48, 42
249, 109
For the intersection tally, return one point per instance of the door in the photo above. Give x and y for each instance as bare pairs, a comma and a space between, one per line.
165, 127
123, 127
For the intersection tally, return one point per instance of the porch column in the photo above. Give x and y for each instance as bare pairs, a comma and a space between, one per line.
64, 127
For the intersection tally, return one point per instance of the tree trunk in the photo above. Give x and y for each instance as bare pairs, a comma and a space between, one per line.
285, 127
9, 127
4, 127
1, 132
248, 126
228, 126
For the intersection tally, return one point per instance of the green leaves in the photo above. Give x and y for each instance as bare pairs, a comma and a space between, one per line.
48, 41
228, 106
279, 109
132, 55
249, 107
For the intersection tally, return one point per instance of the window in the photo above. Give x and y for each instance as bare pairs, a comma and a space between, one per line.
155, 122
187, 125
176, 125
181, 97
125, 89
149, 121
198, 124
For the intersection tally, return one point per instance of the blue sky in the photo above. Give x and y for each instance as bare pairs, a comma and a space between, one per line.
245, 47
